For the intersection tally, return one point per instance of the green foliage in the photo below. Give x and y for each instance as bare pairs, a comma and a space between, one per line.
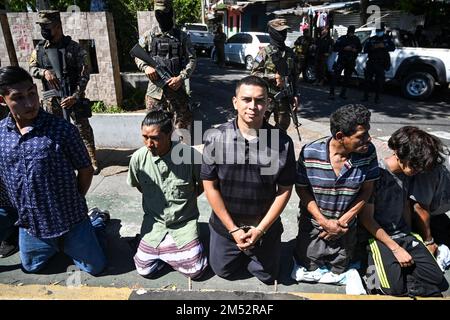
187, 11
127, 33
100, 107
61, 5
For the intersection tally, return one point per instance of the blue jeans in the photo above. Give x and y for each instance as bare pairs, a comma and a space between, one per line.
8, 216
80, 243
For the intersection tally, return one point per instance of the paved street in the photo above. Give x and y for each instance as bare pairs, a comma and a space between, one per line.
392, 113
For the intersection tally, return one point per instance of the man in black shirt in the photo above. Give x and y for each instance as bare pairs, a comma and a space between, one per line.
348, 47
248, 172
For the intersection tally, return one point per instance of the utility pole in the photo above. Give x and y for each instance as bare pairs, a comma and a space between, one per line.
202, 2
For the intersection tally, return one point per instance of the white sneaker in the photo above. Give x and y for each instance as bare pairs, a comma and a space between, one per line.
354, 283
333, 278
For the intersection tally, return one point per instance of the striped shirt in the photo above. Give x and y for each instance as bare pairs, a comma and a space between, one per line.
332, 194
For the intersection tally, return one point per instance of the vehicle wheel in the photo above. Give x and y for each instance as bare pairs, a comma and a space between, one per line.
418, 85
309, 73
248, 62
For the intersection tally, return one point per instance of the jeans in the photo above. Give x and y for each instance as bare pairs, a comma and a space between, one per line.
80, 243
8, 216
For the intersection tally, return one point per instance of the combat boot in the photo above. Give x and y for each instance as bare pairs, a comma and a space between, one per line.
91, 151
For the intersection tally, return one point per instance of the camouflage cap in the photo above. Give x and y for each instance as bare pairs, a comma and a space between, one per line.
163, 5
48, 17
278, 24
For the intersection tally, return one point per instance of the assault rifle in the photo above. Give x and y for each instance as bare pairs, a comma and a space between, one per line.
164, 74
288, 93
61, 73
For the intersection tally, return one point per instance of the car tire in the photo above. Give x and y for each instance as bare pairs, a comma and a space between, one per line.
418, 85
249, 62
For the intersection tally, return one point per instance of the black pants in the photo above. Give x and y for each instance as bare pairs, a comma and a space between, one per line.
423, 278
313, 252
263, 261
374, 69
348, 70
440, 229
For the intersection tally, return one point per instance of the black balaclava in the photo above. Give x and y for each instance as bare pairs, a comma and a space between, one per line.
46, 33
277, 38
165, 19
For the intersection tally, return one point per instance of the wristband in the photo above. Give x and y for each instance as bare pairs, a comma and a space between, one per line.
234, 230
429, 242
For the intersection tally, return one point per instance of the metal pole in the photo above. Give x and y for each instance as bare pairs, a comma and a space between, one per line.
203, 10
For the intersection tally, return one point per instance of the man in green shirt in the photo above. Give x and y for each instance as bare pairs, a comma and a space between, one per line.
168, 178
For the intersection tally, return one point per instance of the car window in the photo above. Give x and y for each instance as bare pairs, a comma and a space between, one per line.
196, 28
263, 38
237, 38
246, 38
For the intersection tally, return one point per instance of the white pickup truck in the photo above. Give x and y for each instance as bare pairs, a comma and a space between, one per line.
201, 38
416, 69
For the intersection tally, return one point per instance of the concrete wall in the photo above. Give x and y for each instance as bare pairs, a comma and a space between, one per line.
146, 21
97, 26
7, 52
122, 130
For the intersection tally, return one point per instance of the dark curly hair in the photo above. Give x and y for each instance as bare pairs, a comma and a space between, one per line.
417, 149
347, 118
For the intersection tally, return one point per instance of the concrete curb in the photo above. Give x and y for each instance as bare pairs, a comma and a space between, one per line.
122, 130
60, 292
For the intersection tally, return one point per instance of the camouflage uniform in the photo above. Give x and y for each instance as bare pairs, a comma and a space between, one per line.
265, 68
177, 103
78, 74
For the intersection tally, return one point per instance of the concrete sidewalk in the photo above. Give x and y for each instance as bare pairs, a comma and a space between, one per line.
109, 191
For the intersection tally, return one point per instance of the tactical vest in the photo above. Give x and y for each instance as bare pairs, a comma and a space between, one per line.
72, 68
167, 50
275, 58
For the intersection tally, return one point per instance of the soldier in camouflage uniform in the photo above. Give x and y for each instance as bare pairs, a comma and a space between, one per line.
172, 47
274, 62
77, 70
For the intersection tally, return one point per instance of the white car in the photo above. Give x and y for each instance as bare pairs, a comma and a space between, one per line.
243, 47
416, 69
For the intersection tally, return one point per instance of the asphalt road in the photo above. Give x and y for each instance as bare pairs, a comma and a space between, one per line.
214, 88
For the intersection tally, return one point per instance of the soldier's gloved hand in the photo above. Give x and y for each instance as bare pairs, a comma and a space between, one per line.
175, 83
151, 73
68, 102
279, 80
51, 79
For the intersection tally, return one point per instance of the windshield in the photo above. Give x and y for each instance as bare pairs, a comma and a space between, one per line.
197, 28
263, 38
